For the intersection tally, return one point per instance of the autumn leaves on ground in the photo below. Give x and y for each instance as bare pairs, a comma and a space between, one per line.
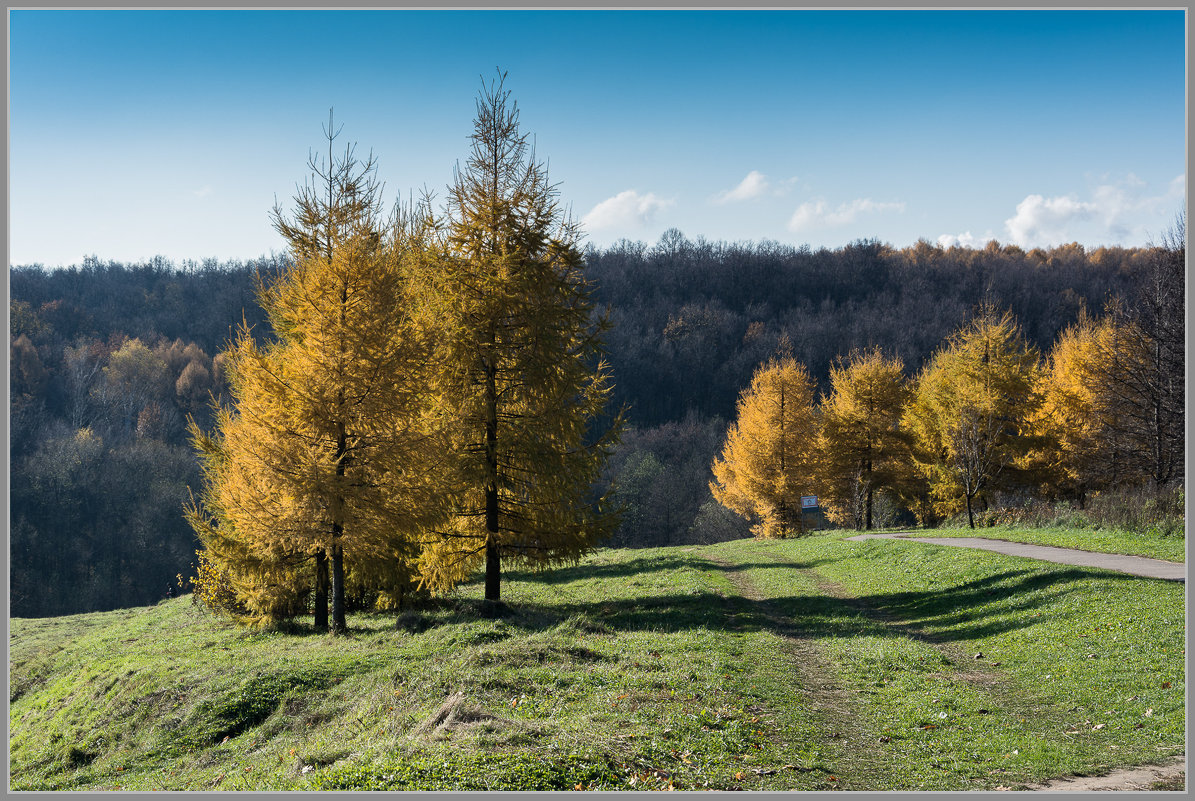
811, 663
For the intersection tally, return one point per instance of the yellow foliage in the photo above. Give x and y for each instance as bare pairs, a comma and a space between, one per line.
428, 399
1068, 420
970, 411
212, 588
518, 378
452, 555
1095, 396
861, 446
327, 450
768, 459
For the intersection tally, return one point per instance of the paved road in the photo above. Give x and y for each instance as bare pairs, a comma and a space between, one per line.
1134, 565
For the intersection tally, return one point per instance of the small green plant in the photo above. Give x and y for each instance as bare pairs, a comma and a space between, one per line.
245, 706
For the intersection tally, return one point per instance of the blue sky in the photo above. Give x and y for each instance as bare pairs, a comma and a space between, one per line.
139, 133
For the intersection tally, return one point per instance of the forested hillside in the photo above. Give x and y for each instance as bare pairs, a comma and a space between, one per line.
108, 360
692, 320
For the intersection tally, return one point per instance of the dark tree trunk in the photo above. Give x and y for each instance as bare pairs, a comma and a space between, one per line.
970, 513
321, 590
339, 626
870, 494
493, 572
493, 560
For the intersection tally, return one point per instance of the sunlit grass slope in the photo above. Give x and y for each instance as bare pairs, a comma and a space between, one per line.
800, 664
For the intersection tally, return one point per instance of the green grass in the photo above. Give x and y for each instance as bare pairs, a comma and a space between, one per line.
1081, 670
1151, 543
810, 664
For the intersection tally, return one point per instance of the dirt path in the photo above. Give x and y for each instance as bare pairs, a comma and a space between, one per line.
1133, 565
1145, 777
832, 702
954, 653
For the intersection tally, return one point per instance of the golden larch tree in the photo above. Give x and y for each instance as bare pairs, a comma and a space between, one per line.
769, 457
325, 456
862, 447
1077, 452
969, 414
519, 378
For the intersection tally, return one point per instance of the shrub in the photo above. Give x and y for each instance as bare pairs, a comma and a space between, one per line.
211, 587
1140, 510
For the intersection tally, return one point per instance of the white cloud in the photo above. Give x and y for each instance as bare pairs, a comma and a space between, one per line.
816, 214
1120, 212
753, 186
1178, 187
203, 191
1047, 221
627, 208
965, 240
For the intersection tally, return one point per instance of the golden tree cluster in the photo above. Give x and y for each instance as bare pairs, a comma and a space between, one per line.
985, 414
426, 405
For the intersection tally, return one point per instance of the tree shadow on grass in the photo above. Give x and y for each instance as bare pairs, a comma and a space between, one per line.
1000, 593
971, 610
647, 565
974, 609
624, 569
968, 611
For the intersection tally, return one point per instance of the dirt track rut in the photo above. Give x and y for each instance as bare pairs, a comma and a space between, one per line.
815, 675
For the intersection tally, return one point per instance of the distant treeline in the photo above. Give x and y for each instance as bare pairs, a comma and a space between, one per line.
109, 359
692, 319
200, 302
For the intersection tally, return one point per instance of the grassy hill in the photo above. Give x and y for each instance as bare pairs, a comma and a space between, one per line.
809, 664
